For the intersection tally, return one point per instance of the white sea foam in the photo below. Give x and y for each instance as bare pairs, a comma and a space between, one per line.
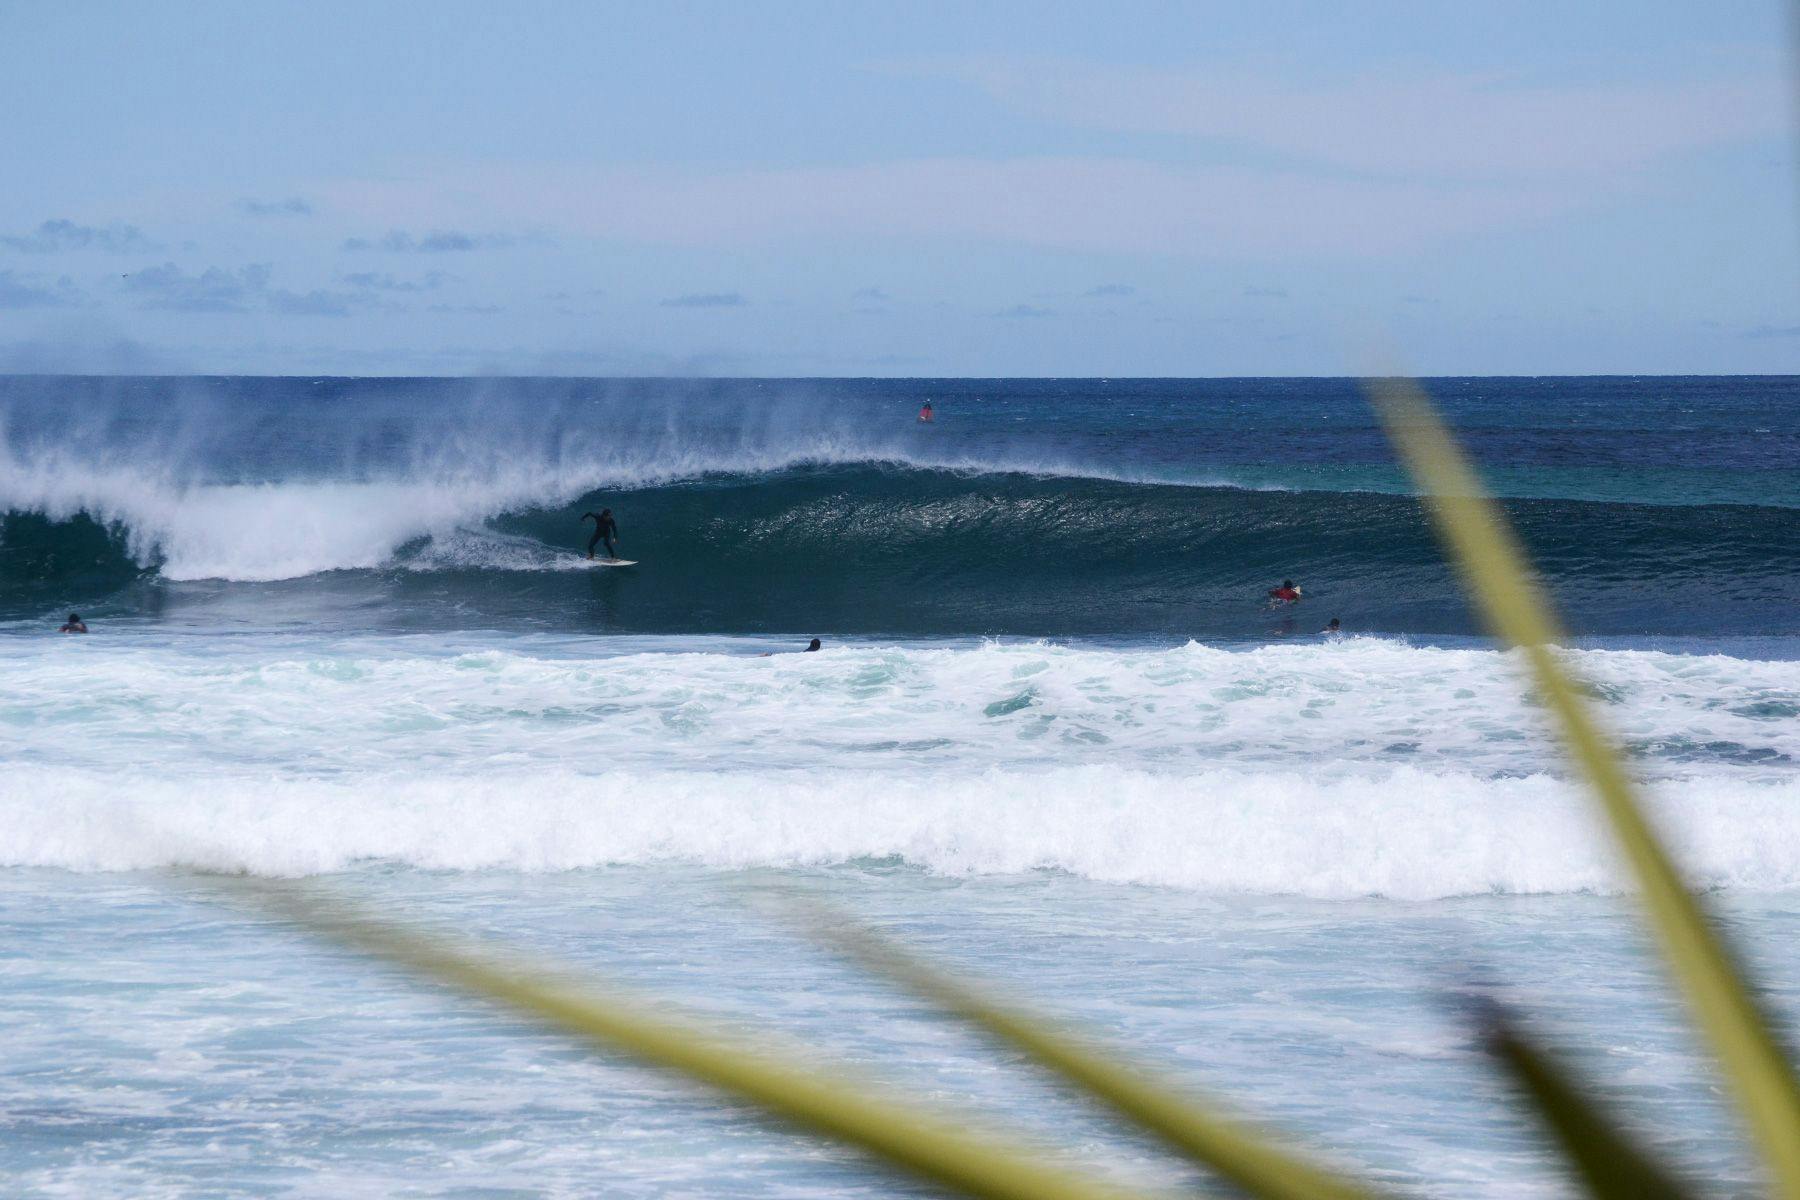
1402, 833
286, 530
1357, 767
303, 705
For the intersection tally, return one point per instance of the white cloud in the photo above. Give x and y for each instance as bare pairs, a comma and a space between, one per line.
63, 235
706, 300
220, 290
38, 291
293, 206
438, 241
214, 290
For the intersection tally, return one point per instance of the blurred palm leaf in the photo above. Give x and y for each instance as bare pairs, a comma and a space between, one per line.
1494, 568
1598, 1152
1134, 1090
938, 1146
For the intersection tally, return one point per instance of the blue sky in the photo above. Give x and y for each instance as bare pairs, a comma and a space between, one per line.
920, 189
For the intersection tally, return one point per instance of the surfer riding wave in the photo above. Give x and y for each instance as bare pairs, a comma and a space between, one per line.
605, 530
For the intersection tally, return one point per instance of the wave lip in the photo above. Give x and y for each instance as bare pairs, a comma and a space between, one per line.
1407, 835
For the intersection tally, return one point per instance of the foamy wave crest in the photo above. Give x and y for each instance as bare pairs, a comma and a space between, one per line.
258, 532
243, 532
1406, 835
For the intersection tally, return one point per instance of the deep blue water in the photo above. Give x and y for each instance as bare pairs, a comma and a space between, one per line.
1159, 508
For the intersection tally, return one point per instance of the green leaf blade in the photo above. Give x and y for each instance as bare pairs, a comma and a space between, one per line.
1604, 1158
1199, 1131
1493, 566
938, 1147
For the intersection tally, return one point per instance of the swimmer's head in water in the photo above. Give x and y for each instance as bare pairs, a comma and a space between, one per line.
814, 645
1333, 624
1287, 583
74, 618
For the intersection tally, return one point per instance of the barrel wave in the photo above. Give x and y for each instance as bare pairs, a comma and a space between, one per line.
1036, 508
898, 549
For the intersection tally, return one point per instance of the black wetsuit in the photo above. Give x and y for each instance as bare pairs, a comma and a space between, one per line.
605, 529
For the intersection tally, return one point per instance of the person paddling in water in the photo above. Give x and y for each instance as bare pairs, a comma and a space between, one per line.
74, 624
810, 647
605, 530
1287, 593
925, 413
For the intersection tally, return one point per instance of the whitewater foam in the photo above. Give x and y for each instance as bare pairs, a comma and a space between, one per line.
1403, 834
1358, 767
304, 705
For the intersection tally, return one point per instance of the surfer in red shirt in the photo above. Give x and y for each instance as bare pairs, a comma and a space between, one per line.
1287, 593
925, 413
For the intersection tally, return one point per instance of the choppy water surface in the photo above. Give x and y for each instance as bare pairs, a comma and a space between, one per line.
342, 628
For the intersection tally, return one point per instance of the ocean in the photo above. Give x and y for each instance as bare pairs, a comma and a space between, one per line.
1055, 736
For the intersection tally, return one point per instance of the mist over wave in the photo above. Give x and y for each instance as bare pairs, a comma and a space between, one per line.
200, 489
205, 496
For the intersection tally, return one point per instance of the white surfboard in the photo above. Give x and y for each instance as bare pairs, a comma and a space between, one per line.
613, 562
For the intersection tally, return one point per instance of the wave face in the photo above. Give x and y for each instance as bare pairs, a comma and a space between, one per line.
1027, 508
1361, 767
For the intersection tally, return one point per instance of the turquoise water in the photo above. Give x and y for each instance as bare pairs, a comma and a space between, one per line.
160, 1043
